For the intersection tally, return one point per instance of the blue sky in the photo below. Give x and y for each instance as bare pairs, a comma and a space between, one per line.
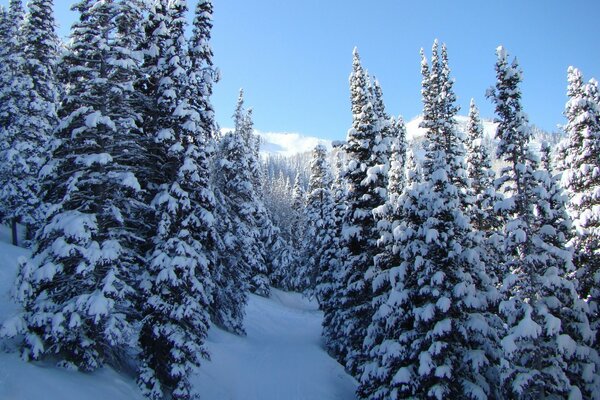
293, 58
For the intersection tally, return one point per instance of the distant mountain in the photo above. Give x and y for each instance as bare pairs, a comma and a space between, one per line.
289, 143
286, 143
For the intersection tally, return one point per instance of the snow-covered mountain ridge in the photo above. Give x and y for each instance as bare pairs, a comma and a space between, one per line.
287, 143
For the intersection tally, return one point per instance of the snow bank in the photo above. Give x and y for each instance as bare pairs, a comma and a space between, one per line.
281, 358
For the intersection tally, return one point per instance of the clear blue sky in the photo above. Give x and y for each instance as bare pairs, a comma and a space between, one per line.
293, 58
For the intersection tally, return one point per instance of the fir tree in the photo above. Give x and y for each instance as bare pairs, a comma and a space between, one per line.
366, 177
541, 335
435, 339
178, 285
31, 111
298, 224
317, 214
330, 285
203, 74
78, 288
581, 182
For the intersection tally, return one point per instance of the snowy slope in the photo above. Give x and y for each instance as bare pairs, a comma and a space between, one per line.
281, 358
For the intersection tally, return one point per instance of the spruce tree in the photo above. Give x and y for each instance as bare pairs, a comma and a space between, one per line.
318, 212
78, 288
178, 284
543, 340
366, 178
30, 111
435, 337
581, 182
330, 285
481, 180
298, 224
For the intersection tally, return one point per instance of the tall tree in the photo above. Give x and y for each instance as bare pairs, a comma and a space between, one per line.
435, 338
484, 197
330, 284
317, 215
78, 288
32, 115
581, 181
366, 177
535, 288
178, 285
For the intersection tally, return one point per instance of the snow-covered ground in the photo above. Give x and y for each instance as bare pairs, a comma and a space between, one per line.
280, 358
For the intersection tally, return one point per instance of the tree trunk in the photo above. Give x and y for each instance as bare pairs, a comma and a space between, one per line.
15, 238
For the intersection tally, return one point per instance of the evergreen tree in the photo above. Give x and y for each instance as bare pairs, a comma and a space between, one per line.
330, 285
178, 284
435, 339
78, 288
317, 214
31, 113
581, 182
203, 74
541, 334
298, 225
480, 173
558, 291
481, 180
235, 202
366, 177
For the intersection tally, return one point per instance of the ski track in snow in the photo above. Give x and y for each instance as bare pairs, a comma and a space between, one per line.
281, 357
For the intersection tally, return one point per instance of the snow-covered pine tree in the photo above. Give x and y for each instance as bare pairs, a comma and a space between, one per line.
31, 109
365, 174
203, 74
77, 289
298, 226
4, 82
178, 281
559, 291
386, 131
480, 173
237, 205
234, 215
330, 285
389, 218
398, 157
435, 337
262, 226
581, 179
545, 320
481, 209
318, 214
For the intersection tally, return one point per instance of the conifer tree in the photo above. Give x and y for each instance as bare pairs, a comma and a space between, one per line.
31, 112
178, 285
203, 74
330, 285
543, 340
479, 172
317, 214
366, 177
78, 288
433, 337
581, 182
298, 224
481, 180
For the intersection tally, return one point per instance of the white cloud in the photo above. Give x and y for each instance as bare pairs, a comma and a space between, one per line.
287, 143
